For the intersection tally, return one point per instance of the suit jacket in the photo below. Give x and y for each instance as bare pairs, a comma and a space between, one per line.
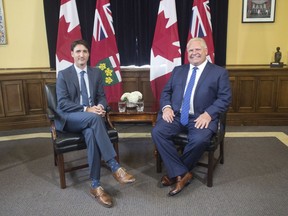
68, 93
212, 93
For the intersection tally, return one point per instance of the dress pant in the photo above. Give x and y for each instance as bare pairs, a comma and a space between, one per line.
93, 127
198, 139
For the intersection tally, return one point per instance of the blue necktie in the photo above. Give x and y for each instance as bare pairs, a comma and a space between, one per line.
186, 99
84, 92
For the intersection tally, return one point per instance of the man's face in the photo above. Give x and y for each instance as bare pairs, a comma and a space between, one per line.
196, 53
80, 55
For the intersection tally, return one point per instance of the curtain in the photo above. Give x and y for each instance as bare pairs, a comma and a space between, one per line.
134, 23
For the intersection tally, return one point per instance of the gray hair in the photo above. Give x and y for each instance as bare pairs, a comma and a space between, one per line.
201, 40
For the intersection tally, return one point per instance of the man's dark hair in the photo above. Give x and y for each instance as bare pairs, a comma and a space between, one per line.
81, 42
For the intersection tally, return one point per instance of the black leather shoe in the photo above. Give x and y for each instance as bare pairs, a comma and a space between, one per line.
181, 182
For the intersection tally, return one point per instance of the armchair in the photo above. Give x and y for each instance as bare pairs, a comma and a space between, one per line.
180, 140
64, 142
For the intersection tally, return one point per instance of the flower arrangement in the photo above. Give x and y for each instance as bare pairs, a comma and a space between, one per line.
132, 97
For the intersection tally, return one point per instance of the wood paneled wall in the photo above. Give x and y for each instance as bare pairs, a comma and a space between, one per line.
259, 95
22, 98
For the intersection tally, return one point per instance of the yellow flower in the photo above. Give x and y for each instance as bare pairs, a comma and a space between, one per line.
102, 66
108, 72
108, 80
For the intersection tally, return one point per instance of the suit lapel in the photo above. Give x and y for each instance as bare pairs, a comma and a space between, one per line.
75, 80
184, 78
203, 75
92, 82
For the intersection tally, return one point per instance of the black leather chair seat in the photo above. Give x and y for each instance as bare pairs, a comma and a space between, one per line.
181, 140
66, 142
69, 139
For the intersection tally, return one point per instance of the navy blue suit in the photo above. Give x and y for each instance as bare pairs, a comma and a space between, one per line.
72, 118
212, 94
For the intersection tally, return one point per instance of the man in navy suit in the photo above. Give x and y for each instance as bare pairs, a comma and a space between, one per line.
84, 113
210, 95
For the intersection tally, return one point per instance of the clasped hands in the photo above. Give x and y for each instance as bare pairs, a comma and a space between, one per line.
201, 122
97, 110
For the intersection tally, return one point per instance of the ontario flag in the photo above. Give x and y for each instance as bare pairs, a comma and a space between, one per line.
165, 51
201, 26
104, 51
68, 31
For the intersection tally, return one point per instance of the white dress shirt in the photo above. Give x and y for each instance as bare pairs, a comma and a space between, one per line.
78, 70
198, 74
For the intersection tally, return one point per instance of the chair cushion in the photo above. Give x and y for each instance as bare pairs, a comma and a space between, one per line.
181, 140
66, 142
113, 135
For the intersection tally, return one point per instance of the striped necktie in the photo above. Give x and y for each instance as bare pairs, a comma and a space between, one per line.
84, 92
186, 100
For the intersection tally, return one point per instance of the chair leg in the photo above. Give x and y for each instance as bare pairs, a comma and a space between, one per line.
222, 152
116, 150
61, 169
158, 161
210, 169
55, 157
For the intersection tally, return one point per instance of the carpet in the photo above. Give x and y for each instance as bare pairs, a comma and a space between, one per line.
252, 181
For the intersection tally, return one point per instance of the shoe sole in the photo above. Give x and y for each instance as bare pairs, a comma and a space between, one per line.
160, 185
103, 204
121, 182
173, 194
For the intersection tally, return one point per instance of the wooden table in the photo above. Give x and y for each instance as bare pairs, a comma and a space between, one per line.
131, 115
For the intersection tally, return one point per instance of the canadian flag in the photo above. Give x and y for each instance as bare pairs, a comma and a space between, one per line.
104, 51
68, 31
201, 26
165, 51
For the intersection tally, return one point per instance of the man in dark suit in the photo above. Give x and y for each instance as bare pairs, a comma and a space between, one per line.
81, 108
196, 111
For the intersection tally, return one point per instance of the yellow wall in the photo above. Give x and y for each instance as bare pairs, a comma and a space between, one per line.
26, 34
248, 43
255, 43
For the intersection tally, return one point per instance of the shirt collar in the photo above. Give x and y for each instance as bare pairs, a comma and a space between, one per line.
200, 67
78, 70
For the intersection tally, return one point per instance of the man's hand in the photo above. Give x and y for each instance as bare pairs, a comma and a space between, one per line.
203, 121
97, 110
168, 115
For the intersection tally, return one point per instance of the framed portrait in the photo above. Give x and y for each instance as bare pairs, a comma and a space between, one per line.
3, 37
258, 11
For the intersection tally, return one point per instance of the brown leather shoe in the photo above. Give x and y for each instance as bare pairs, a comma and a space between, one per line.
102, 197
122, 176
181, 183
166, 181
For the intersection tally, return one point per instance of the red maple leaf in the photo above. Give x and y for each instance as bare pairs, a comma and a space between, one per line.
163, 39
65, 39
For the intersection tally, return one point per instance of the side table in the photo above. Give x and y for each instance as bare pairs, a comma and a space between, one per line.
132, 116
148, 115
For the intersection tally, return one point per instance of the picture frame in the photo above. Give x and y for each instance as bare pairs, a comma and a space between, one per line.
258, 11
3, 36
